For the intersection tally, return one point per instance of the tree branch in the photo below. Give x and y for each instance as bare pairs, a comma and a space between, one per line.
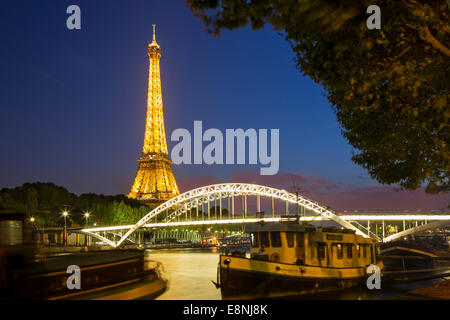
425, 35
404, 51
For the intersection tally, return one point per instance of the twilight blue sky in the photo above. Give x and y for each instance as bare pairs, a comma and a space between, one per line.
72, 103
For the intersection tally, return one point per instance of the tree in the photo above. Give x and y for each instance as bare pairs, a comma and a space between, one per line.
47, 199
31, 200
120, 213
389, 88
7, 201
225, 213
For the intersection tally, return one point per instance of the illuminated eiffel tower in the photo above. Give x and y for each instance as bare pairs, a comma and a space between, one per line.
154, 182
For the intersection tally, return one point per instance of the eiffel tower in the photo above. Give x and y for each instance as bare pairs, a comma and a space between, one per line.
154, 182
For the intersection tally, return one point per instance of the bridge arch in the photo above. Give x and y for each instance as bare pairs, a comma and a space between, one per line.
103, 238
410, 231
186, 200
100, 237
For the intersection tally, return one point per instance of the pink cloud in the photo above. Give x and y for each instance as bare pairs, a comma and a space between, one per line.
384, 198
186, 184
308, 184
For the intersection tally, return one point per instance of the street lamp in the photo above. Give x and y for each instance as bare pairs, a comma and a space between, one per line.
86, 239
32, 222
65, 214
86, 215
32, 228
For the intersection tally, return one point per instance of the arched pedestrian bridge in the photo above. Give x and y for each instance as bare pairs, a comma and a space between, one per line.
229, 203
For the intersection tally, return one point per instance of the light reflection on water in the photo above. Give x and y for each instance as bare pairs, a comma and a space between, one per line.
190, 272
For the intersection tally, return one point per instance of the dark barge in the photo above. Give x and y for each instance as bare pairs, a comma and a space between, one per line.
407, 262
28, 272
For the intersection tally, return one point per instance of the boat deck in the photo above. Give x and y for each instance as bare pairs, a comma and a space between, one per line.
60, 261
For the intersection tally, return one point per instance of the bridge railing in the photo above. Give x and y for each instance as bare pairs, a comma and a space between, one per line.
364, 229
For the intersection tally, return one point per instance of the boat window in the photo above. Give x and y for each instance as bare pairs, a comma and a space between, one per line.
339, 251
275, 238
254, 239
290, 239
321, 248
349, 251
300, 239
358, 250
264, 239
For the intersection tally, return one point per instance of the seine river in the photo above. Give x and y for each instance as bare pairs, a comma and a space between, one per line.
190, 272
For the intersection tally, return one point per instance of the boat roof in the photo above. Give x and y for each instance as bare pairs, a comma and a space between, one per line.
405, 250
283, 227
60, 261
292, 227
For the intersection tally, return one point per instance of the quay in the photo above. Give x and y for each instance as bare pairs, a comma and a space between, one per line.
438, 291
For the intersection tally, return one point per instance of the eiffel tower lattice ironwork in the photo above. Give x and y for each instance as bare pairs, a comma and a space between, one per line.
154, 182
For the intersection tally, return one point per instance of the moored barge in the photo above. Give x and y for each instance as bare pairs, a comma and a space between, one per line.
289, 259
104, 275
406, 263
27, 271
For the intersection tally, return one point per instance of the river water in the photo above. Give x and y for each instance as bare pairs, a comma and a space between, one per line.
190, 273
